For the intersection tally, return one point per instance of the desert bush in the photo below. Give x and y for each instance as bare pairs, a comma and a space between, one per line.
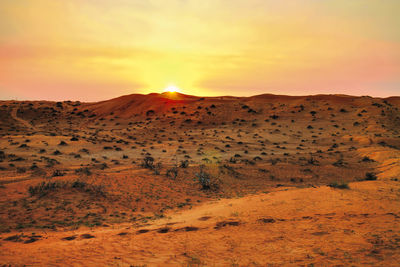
148, 162
14, 158
312, 161
84, 170
370, 176
33, 166
206, 180
103, 166
44, 188
157, 168
172, 172
225, 168
50, 162
339, 185
274, 117
339, 163
184, 164
274, 161
367, 159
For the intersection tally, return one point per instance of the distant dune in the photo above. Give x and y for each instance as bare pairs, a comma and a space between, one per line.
136, 104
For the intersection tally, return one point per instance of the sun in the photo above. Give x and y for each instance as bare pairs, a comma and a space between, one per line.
172, 89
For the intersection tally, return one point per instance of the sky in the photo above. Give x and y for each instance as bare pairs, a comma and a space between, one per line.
92, 50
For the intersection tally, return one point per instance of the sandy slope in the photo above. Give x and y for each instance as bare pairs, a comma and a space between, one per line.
322, 226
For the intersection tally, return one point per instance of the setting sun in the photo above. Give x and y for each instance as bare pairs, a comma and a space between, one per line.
172, 89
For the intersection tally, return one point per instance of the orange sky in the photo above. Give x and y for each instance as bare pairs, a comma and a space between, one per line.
96, 49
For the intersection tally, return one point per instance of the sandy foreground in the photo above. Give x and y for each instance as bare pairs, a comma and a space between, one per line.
320, 226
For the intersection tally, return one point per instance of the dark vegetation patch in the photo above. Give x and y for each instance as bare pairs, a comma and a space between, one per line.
142, 231
339, 185
204, 218
87, 236
163, 230
187, 229
22, 238
222, 224
267, 220
69, 238
45, 188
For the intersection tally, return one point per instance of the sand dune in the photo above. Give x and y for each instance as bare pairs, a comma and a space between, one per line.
172, 179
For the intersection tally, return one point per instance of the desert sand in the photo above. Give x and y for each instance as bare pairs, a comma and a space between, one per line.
177, 180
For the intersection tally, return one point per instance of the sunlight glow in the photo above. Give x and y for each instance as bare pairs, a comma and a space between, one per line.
172, 89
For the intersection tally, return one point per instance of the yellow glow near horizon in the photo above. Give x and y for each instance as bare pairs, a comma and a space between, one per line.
172, 89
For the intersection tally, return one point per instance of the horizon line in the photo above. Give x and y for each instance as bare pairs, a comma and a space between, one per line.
199, 96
